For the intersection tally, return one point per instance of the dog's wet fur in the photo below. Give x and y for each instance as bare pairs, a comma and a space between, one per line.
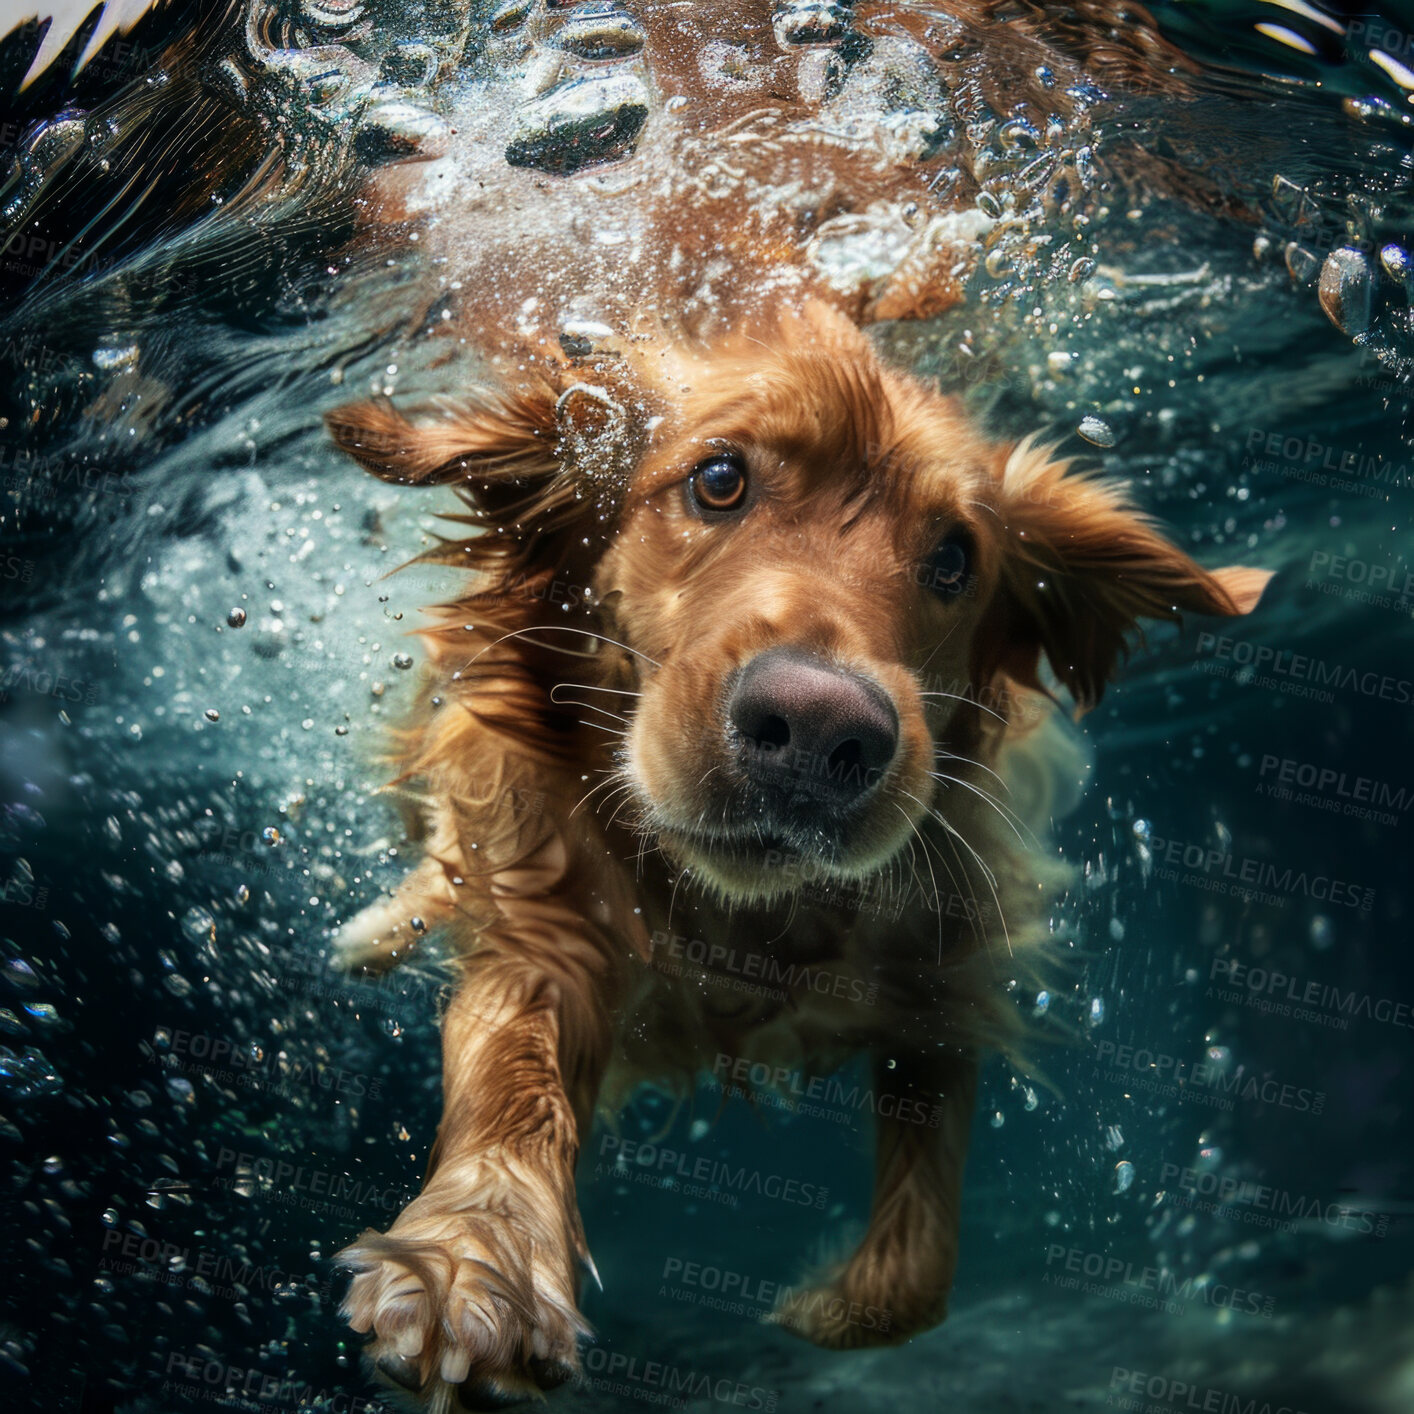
785, 548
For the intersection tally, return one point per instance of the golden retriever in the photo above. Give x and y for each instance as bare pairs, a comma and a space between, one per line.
738, 611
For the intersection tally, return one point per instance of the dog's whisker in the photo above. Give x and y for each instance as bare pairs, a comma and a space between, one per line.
966, 894
912, 858
971, 701
575, 702
957, 834
943, 754
624, 786
791, 916
703, 780
936, 814
983, 506
673, 897
608, 781
591, 687
612, 731
562, 628
988, 876
937, 892
991, 800
590, 707
940, 644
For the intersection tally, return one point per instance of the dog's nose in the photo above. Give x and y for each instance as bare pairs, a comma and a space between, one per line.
805, 727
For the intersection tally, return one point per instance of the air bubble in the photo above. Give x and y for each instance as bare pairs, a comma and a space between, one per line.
198, 926
1346, 290
1096, 431
1395, 260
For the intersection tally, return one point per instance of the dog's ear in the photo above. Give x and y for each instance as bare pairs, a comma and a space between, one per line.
1080, 567
487, 438
525, 454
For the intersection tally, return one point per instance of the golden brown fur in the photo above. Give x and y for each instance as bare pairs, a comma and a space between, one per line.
574, 780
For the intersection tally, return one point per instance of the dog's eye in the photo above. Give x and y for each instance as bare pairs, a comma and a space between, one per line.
719, 483
947, 567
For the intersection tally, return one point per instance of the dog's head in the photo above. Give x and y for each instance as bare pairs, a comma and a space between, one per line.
820, 569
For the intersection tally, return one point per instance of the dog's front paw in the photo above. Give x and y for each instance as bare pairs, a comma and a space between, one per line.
466, 1304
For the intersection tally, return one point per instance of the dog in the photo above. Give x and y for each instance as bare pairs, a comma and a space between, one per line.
791, 580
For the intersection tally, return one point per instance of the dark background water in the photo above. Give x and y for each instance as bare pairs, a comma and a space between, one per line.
197, 1114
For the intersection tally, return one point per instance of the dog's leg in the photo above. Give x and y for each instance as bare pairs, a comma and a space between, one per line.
384, 933
475, 1285
897, 1282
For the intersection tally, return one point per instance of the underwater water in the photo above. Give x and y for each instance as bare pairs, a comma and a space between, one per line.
1207, 1200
